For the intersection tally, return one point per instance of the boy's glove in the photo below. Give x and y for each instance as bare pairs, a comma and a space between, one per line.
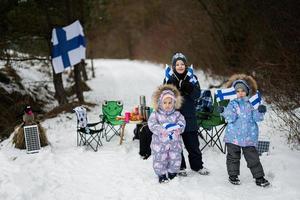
220, 109
262, 109
186, 87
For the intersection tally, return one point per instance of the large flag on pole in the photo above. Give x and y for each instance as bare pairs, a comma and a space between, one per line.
68, 46
255, 100
225, 94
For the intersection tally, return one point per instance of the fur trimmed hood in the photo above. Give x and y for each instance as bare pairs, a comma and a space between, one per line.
248, 79
157, 94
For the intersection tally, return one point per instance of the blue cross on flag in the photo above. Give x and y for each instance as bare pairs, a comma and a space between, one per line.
225, 94
68, 46
168, 73
170, 127
190, 73
255, 100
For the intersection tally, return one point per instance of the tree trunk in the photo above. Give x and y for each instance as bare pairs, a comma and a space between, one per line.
77, 67
77, 78
60, 94
83, 70
93, 71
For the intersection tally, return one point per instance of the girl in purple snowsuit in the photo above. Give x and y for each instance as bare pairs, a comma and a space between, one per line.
166, 124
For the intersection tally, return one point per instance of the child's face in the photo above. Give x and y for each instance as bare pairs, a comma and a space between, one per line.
180, 67
240, 93
168, 104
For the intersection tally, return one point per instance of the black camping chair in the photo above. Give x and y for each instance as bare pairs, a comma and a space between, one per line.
86, 135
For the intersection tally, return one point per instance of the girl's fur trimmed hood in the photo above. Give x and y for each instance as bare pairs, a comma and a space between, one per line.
249, 79
158, 92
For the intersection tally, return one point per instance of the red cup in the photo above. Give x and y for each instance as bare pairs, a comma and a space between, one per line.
127, 117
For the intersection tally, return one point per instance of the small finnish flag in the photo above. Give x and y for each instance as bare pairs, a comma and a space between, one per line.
168, 73
225, 94
68, 46
256, 100
190, 74
171, 127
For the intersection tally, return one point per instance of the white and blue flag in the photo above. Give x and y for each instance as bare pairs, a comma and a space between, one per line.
225, 94
168, 73
190, 74
171, 127
68, 46
256, 100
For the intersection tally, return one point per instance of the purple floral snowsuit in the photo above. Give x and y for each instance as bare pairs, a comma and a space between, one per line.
166, 152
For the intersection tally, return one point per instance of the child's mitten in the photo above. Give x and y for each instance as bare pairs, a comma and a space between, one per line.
262, 109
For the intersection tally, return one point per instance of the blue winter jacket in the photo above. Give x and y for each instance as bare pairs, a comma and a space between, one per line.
242, 129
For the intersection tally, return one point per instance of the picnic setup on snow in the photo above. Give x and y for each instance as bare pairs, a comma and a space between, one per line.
182, 115
113, 121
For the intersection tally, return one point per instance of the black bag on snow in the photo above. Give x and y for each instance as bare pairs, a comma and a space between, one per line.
145, 136
136, 131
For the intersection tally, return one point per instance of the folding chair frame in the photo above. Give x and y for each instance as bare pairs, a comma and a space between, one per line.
212, 137
108, 127
85, 135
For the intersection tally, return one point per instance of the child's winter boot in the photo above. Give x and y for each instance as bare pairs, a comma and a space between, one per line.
262, 182
234, 180
172, 175
163, 179
182, 172
204, 171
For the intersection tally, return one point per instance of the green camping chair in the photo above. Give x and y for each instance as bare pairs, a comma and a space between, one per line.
110, 111
212, 125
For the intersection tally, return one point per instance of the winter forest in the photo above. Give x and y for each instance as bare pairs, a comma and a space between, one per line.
78, 110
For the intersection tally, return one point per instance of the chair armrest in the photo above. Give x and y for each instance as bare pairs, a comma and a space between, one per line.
92, 124
90, 131
102, 118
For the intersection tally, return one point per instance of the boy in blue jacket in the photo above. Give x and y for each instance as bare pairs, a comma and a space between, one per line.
242, 130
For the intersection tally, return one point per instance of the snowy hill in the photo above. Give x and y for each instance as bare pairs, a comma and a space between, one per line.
64, 171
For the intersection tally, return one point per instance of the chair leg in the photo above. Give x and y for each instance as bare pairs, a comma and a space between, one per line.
96, 139
115, 132
81, 139
214, 138
218, 135
205, 140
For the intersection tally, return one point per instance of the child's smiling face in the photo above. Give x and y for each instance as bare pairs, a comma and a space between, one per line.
180, 67
240, 93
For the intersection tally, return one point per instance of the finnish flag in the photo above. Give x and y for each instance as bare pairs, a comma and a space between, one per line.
68, 46
255, 100
168, 73
225, 94
171, 127
190, 74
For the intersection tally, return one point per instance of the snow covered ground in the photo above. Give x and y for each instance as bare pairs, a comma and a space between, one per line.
64, 171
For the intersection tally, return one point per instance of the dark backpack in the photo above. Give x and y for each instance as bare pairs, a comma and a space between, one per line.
145, 136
